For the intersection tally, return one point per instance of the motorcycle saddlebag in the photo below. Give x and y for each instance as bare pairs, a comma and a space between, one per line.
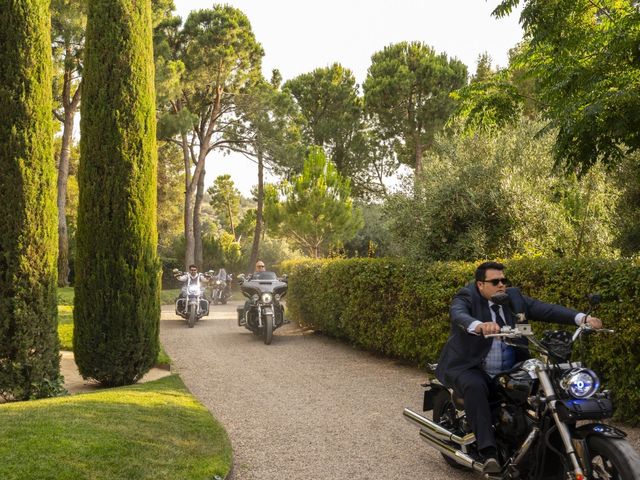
584, 409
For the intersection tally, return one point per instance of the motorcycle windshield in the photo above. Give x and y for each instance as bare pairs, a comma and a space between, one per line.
263, 282
264, 276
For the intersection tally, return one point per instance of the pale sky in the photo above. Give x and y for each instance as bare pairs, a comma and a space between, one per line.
299, 36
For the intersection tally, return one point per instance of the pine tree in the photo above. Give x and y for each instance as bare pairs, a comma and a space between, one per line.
29, 349
117, 302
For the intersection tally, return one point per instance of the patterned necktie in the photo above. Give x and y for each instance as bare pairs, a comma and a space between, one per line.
499, 318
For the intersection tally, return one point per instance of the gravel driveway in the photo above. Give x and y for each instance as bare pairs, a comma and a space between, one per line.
306, 406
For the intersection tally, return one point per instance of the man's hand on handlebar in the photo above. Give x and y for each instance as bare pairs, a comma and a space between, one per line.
487, 328
593, 322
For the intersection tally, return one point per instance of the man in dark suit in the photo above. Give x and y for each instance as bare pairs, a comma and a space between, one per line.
469, 361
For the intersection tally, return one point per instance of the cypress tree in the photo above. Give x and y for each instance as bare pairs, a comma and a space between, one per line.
29, 349
117, 296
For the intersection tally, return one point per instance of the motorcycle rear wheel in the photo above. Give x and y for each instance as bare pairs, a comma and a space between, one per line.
444, 414
191, 319
613, 458
268, 329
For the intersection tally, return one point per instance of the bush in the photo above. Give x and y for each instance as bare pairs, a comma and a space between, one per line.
29, 364
401, 309
117, 294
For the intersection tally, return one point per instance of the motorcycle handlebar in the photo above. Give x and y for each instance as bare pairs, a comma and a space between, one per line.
525, 330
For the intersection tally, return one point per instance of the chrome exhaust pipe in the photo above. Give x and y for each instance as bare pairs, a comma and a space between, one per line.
457, 456
436, 431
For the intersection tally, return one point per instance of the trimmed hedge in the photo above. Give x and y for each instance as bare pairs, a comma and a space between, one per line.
29, 350
401, 309
117, 284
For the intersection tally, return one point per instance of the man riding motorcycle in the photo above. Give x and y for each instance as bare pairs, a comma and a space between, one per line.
191, 277
468, 360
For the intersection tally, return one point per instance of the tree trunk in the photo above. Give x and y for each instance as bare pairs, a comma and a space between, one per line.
63, 175
70, 107
255, 248
197, 223
418, 152
188, 205
191, 202
233, 230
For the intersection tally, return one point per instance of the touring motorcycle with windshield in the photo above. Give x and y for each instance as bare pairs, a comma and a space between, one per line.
547, 415
192, 304
263, 312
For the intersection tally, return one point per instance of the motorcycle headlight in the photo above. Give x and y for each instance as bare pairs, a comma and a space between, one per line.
580, 383
267, 298
218, 282
255, 297
194, 290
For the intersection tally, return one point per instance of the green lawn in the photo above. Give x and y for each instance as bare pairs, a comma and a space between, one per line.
155, 430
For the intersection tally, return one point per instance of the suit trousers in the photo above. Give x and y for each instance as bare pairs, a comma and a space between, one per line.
474, 385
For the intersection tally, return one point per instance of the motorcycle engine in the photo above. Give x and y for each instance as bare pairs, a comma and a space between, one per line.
510, 422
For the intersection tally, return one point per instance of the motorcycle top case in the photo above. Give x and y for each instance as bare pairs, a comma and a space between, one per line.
584, 409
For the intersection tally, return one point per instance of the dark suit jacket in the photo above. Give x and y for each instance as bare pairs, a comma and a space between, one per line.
464, 350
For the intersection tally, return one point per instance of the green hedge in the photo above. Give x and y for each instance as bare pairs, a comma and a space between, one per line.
117, 283
29, 363
400, 309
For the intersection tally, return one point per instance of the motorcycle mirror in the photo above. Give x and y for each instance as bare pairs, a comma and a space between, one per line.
500, 299
594, 299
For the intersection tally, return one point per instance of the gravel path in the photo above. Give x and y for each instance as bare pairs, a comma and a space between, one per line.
306, 406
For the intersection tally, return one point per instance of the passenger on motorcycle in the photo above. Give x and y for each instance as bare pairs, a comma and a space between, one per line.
469, 361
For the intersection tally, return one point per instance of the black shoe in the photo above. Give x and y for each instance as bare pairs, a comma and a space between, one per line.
491, 466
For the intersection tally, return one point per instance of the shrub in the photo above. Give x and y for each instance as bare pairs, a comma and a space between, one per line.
29, 364
117, 294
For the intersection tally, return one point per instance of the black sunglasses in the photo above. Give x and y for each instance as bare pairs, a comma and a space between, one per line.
496, 281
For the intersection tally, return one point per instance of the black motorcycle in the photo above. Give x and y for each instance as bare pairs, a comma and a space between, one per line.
221, 290
546, 415
263, 312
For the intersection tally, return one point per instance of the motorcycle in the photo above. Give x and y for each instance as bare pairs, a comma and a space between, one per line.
221, 291
192, 304
265, 313
546, 415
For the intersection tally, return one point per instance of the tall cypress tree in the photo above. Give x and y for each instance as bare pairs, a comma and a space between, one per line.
29, 356
117, 300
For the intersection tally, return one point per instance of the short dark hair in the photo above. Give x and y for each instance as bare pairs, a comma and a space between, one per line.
193, 265
481, 271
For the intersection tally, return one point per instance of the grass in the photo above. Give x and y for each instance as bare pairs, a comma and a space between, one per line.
168, 297
155, 430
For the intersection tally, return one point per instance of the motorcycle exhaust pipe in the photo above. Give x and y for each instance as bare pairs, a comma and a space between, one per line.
435, 430
457, 456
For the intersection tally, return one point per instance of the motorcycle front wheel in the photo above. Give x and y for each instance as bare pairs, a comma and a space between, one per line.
444, 414
268, 329
613, 458
191, 319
